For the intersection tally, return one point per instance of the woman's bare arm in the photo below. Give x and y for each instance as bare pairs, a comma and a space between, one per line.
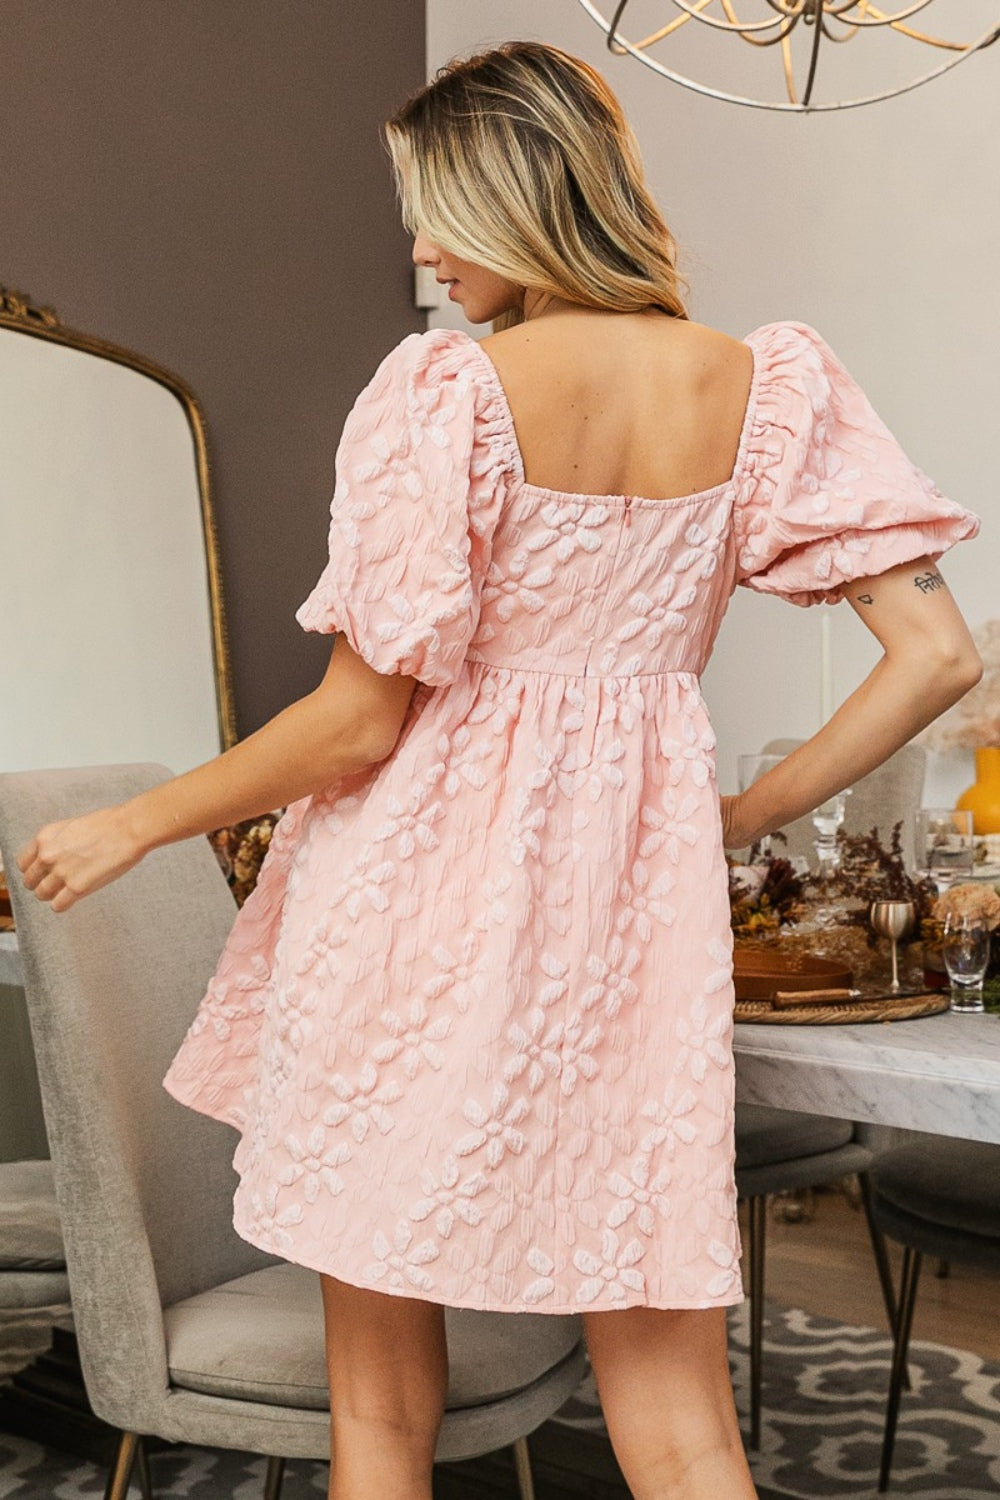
350, 721
929, 662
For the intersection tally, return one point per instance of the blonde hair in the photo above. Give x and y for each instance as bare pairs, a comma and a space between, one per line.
521, 161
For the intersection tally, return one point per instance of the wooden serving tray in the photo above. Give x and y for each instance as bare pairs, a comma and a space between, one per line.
757, 975
841, 1013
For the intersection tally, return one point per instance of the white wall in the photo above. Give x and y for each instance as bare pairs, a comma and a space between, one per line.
880, 226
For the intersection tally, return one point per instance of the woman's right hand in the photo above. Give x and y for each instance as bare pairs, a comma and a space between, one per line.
66, 861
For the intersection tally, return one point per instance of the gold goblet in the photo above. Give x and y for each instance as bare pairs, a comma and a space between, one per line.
893, 919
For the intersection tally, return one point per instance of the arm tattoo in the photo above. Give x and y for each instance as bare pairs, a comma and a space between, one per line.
865, 599
929, 582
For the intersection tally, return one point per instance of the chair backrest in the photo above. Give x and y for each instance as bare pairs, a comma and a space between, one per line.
888, 795
144, 1185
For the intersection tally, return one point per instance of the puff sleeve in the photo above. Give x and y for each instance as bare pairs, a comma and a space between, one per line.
420, 475
827, 494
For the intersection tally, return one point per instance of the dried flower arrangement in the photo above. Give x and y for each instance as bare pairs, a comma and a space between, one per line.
974, 721
240, 851
764, 894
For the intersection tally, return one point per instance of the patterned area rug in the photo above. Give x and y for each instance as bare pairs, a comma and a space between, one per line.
824, 1395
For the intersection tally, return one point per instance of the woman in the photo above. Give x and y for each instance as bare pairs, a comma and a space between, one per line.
474, 1025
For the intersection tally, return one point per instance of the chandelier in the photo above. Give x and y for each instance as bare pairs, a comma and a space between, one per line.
804, 33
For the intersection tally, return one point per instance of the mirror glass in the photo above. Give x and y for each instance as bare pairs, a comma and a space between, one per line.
110, 611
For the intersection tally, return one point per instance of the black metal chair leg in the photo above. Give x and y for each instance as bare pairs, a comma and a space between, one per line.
882, 1263
907, 1299
275, 1478
758, 1245
121, 1466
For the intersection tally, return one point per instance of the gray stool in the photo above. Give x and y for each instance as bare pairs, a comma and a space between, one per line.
778, 1151
943, 1200
32, 1261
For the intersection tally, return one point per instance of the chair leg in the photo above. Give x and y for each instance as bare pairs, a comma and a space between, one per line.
522, 1464
882, 1263
121, 1467
275, 1478
907, 1299
758, 1243
881, 1253
145, 1478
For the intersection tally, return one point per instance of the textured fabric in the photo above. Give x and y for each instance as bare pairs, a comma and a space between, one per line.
955, 1184
260, 1338
30, 1233
475, 1022
765, 1136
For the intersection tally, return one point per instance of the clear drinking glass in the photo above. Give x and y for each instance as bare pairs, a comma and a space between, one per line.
750, 768
944, 848
965, 948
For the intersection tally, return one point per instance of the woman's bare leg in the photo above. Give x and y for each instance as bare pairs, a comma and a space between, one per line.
388, 1367
663, 1380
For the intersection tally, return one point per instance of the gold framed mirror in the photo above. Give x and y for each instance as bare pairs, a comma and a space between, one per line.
113, 642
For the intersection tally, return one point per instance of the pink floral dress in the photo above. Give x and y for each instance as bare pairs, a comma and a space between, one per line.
474, 1025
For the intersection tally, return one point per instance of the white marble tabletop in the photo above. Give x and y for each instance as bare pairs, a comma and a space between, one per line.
940, 1073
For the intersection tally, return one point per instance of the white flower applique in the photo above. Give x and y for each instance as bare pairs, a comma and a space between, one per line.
314, 1164
448, 1198
612, 1272
364, 1104
495, 1127
517, 588
573, 526
400, 1263
414, 1037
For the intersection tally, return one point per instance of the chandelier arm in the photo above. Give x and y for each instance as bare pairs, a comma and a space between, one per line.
789, 21
789, 70
614, 45
713, 21
932, 41
986, 40
813, 56
851, 28
882, 18
671, 26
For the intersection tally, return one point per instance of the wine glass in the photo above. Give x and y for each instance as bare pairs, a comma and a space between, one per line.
827, 821
894, 920
944, 847
749, 769
965, 948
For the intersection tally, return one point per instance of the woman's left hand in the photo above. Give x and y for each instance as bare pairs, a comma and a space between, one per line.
66, 861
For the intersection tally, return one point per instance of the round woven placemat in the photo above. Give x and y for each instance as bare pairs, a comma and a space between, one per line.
847, 1013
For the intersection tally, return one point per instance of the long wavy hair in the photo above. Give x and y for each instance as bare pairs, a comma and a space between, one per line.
521, 160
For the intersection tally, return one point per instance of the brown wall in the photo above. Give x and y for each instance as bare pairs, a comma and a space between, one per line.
203, 181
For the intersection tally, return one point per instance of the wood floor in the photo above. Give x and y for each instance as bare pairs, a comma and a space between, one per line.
823, 1266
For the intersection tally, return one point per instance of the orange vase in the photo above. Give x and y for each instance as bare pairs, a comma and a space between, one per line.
983, 797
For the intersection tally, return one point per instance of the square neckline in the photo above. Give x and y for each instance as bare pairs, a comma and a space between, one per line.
668, 501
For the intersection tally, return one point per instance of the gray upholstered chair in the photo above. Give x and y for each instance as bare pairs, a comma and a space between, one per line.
940, 1199
32, 1258
186, 1332
780, 1151
888, 795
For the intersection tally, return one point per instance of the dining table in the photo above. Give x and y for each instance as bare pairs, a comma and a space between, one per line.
939, 1074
